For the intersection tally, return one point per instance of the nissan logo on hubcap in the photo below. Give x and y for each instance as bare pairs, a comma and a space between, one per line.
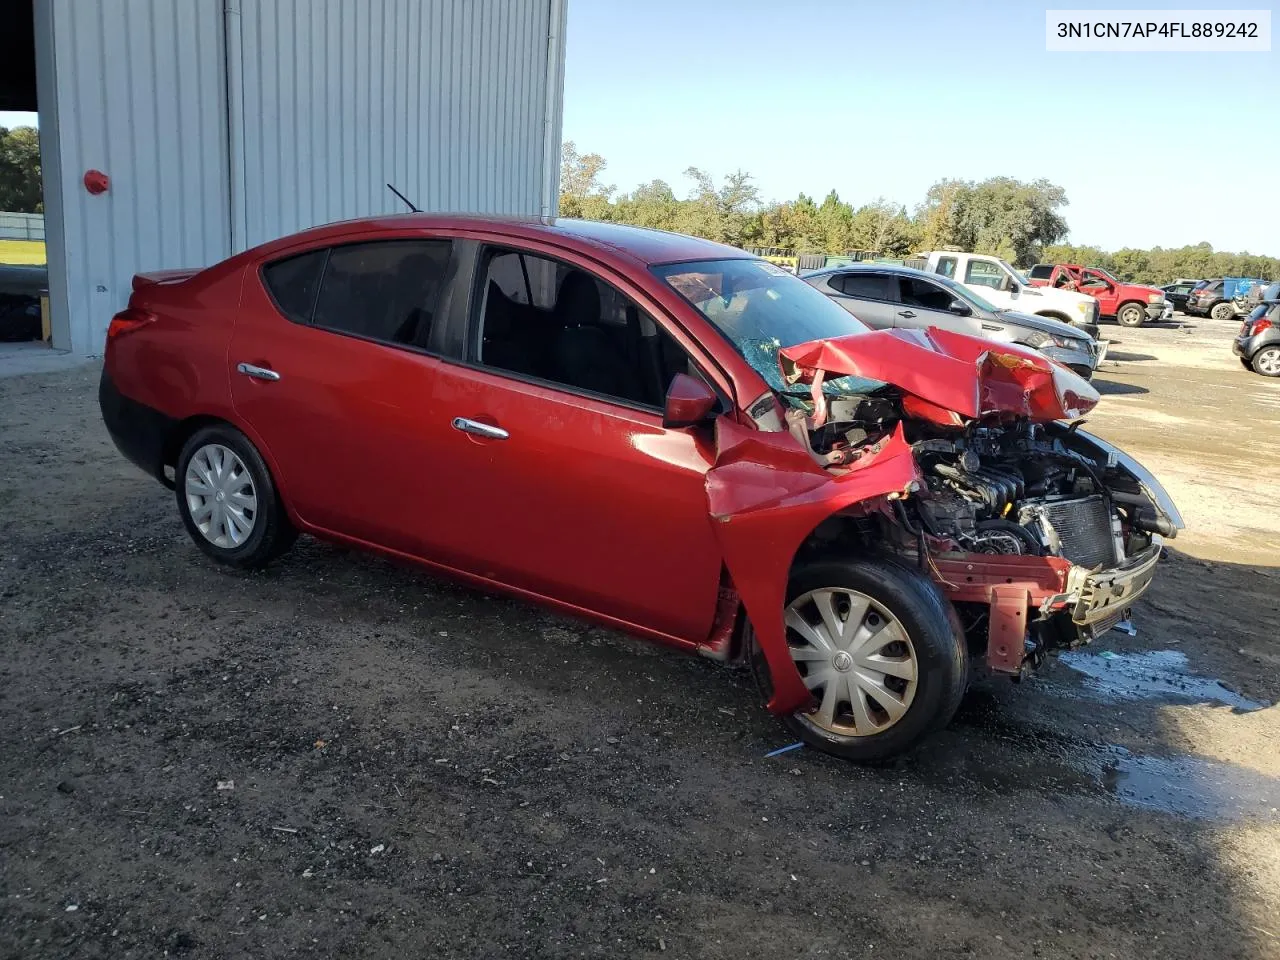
842, 662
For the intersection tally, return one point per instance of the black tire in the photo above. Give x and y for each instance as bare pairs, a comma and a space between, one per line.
1266, 361
1222, 311
1080, 370
271, 535
1131, 315
935, 633
1244, 362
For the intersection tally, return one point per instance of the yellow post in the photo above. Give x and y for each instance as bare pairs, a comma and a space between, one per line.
46, 331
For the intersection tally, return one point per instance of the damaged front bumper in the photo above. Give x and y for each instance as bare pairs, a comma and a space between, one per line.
1099, 600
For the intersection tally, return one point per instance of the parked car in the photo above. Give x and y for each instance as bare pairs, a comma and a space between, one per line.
663, 434
996, 281
1214, 298
1129, 304
1258, 343
1178, 291
884, 296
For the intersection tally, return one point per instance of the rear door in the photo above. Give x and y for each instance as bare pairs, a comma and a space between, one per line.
870, 295
331, 365
559, 476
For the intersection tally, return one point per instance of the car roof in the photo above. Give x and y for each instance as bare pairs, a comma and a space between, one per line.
896, 268
642, 245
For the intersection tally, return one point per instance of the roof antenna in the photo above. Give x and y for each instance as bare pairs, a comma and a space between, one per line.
407, 202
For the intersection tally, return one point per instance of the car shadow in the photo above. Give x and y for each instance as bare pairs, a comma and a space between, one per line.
1116, 388
1130, 357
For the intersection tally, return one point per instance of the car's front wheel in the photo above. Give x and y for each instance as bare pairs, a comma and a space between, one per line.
1131, 315
1267, 361
881, 650
228, 500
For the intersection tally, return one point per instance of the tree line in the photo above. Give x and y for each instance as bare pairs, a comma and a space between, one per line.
20, 188
1021, 222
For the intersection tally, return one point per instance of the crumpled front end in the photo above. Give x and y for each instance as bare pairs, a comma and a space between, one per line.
1040, 534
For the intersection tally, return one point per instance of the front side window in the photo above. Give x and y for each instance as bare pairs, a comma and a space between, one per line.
922, 293
983, 273
761, 308
553, 321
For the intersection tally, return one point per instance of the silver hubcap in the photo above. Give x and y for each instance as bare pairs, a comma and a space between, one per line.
1268, 361
220, 496
855, 657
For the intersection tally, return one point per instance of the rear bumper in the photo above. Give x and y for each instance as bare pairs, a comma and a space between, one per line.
138, 431
1246, 347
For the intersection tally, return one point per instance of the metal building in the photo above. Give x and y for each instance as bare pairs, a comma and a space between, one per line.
214, 125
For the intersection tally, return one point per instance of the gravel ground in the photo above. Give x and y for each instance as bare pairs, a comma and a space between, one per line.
341, 757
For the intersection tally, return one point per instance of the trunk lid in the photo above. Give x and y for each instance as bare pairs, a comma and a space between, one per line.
142, 280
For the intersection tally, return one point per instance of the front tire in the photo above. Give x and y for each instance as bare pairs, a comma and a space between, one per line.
1131, 315
228, 501
881, 649
1267, 361
1223, 311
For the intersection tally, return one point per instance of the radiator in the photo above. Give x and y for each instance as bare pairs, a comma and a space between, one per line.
1084, 529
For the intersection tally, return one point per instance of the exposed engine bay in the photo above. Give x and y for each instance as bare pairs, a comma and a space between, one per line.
1011, 488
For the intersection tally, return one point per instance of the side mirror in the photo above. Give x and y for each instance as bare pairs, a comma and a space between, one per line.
689, 402
960, 308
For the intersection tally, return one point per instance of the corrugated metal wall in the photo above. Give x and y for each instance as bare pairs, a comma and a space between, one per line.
446, 99
139, 95
224, 123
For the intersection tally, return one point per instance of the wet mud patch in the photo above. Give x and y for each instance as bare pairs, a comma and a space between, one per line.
1153, 675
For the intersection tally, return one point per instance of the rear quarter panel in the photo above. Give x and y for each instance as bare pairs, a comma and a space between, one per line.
178, 364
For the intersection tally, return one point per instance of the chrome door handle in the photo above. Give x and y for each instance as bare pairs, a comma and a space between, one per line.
258, 373
486, 430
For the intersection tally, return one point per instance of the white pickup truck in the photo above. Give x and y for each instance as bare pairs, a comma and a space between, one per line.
1002, 285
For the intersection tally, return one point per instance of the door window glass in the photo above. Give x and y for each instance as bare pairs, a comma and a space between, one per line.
868, 286
550, 320
385, 290
984, 274
922, 293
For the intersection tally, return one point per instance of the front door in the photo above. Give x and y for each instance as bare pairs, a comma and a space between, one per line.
559, 476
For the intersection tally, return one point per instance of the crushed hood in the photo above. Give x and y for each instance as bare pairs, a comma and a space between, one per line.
952, 375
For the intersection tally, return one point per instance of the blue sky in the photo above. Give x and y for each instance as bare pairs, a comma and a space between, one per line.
885, 98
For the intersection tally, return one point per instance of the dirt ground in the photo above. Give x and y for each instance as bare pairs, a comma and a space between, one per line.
340, 757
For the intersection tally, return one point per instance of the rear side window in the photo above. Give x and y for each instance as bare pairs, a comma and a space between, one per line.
292, 283
946, 267
1042, 271
387, 290
869, 286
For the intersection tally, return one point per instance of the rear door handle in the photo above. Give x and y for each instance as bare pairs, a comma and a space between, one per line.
258, 373
486, 430
908, 314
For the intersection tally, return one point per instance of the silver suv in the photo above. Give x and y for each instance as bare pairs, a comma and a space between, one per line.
884, 296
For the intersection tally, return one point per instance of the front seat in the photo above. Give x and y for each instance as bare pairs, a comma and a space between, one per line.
586, 356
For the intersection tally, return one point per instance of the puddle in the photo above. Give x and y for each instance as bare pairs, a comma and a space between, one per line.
1191, 786
1154, 674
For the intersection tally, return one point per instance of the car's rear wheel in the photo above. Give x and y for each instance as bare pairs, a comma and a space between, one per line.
228, 500
1131, 315
1267, 361
1222, 311
881, 650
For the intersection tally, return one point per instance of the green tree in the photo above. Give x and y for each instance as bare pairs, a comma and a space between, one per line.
999, 216
20, 185
582, 194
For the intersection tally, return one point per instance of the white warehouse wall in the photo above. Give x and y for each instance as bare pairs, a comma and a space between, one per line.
225, 123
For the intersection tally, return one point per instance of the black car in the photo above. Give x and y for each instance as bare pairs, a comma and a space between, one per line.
1208, 298
1178, 291
1258, 343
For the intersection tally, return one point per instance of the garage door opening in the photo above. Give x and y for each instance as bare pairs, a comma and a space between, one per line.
24, 278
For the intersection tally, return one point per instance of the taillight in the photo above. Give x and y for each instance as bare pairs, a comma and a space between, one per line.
1262, 323
127, 321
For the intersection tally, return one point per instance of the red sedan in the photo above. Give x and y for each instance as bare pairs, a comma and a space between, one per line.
660, 433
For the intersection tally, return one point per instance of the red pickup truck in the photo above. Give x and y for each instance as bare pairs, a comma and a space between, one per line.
1130, 304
